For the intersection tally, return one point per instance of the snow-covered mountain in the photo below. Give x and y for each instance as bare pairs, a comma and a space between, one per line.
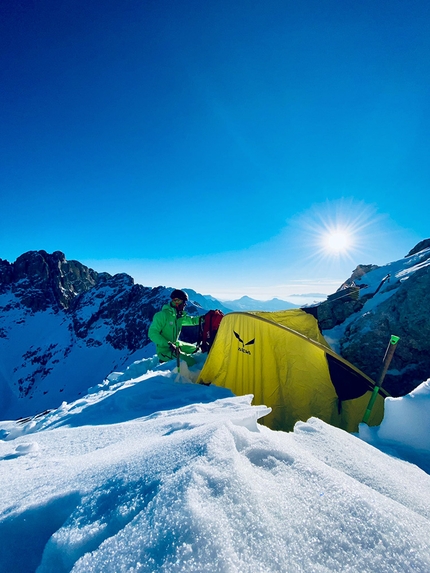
63, 325
206, 301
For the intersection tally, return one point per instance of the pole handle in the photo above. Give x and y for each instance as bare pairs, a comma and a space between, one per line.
391, 348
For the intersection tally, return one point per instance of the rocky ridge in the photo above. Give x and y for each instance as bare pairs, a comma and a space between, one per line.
378, 302
42, 281
55, 313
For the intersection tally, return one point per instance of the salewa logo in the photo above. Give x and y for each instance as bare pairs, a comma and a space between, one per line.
243, 349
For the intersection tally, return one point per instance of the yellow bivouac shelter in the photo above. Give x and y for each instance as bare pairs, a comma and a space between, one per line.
284, 361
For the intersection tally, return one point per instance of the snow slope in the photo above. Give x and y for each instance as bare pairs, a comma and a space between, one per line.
151, 472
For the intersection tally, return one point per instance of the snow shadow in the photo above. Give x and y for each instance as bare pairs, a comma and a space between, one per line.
100, 515
24, 536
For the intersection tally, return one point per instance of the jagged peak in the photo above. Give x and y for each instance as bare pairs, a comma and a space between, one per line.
42, 279
424, 244
357, 273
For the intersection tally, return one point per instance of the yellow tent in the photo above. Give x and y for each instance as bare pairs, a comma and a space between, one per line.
284, 361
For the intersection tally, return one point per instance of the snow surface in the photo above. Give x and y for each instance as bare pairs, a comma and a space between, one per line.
152, 472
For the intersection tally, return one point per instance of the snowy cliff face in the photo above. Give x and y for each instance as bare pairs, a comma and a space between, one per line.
63, 325
393, 299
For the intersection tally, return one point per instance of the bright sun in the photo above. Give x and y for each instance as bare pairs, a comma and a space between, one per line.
337, 241
337, 231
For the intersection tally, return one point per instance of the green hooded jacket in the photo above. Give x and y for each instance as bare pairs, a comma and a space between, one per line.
166, 327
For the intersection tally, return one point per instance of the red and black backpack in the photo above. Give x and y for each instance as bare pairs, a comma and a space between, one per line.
209, 325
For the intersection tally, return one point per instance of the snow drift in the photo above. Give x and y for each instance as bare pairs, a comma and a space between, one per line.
151, 472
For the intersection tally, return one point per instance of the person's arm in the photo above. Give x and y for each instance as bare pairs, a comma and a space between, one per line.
188, 320
154, 332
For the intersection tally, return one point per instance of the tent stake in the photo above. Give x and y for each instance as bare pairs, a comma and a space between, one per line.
385, 364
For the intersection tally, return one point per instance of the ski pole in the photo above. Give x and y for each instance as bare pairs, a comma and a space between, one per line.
385, 364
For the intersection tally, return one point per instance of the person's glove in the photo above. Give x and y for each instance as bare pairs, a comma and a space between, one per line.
173, 347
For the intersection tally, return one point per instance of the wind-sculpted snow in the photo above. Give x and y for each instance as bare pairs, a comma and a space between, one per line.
151, 472
413, 410
144, 388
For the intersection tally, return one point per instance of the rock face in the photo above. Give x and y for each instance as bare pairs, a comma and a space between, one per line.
419, 247
44, 281
391, 300
357, 274
122, 309
365, 339
64, 327
345, 301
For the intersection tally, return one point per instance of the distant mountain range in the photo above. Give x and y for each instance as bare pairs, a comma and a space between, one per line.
206, 301
243, 304
63, 325
246, 303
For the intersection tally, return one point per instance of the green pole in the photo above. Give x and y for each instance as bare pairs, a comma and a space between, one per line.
385, 364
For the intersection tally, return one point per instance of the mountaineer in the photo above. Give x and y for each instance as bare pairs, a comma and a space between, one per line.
166, 327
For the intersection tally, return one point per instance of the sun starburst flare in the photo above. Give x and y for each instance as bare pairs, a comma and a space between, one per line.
336, 232
337, 241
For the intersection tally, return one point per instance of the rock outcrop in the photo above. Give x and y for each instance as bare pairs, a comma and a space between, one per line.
365, 339
425, 244
391, 300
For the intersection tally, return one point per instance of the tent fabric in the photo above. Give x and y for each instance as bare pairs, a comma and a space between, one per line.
284, 361
295, 319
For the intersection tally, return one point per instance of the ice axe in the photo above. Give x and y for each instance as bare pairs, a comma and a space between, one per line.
385, 364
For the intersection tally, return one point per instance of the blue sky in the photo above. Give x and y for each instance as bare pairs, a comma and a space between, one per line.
211, 145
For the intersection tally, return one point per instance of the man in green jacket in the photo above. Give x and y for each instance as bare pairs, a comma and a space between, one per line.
166, 327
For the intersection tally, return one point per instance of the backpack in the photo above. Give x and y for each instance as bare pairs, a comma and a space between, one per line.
209, 325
